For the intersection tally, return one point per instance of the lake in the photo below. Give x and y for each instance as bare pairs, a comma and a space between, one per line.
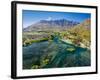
55, 54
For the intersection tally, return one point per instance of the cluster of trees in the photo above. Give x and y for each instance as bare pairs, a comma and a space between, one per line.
36, 37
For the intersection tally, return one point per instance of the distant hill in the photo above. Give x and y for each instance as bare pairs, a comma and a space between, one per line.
51, 24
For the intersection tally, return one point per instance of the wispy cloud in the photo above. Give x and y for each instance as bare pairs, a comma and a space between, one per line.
49, 18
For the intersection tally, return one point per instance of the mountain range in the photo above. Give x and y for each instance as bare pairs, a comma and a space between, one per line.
51, 24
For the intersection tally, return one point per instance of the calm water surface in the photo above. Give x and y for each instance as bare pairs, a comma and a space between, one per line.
57, 53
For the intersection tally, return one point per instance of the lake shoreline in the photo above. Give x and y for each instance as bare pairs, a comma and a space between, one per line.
69, 42
82, 45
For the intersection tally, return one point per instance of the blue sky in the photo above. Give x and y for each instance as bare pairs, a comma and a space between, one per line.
30, 16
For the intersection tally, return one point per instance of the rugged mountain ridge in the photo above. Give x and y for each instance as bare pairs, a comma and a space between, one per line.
51, 24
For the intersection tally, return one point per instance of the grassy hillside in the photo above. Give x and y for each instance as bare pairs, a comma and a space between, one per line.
79, 35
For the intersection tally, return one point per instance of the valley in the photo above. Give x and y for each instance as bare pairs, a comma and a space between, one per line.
59, 43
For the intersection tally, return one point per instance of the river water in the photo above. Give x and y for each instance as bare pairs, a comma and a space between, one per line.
57, 54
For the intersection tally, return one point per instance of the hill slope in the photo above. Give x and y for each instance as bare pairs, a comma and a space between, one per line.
81, 33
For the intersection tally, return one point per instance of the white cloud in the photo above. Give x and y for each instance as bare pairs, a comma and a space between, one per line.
49, 18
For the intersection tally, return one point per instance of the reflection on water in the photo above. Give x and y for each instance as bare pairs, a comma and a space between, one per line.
56, 55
